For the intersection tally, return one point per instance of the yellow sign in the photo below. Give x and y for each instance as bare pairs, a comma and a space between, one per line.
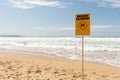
82, 24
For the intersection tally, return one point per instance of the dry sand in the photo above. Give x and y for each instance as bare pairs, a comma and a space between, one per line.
29, 67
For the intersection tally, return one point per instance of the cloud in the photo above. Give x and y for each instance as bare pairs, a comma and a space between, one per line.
105, 3
94, 27
101, 26
26, 4
56, 28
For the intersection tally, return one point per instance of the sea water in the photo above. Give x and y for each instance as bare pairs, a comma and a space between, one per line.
105, 50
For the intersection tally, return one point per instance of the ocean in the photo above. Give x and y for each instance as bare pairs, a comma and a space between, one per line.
104, 50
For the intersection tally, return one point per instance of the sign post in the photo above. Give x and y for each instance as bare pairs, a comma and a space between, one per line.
83, 56
82, 27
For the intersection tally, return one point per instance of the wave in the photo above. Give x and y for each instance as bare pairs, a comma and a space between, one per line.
105, 50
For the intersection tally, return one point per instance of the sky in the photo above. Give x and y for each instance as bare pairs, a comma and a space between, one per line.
57, 17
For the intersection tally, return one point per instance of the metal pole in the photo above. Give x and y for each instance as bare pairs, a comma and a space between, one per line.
82, 57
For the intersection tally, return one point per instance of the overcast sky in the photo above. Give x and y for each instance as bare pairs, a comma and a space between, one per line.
57, 17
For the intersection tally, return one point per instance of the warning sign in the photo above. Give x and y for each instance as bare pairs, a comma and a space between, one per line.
82, 26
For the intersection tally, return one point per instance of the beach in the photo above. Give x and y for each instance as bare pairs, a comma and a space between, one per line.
59, 58
59, 40
34, 67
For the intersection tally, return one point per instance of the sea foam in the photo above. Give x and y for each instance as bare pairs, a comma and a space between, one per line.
106, 50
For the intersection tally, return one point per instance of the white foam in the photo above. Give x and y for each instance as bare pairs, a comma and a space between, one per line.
68, 47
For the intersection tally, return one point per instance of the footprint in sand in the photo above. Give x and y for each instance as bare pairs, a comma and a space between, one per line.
94, 73
104, 76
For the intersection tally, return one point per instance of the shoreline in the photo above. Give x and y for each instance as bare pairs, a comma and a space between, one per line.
46, 67
21, 53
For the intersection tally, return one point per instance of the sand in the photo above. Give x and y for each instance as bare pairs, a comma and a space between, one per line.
31, 67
